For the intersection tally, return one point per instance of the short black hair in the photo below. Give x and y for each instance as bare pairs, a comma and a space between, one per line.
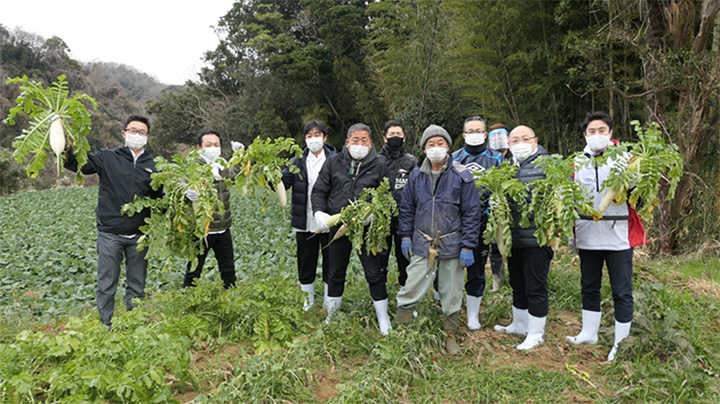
389, 124
207, 132
315, 124
138, 118
597, 115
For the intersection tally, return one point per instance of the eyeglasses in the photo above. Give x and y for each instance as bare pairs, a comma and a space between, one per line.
470, 131
134, 131
524, 139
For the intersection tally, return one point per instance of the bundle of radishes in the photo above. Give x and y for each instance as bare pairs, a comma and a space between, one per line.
640, 167
262, 163
55, 122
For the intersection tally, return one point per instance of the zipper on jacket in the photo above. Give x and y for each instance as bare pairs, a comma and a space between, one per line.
597, 177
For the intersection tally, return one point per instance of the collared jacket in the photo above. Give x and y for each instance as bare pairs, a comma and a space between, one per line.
478, 163
343, 179
299, 183
121, 180
400, 164
451, 207
620, 227
222, 222
523, 237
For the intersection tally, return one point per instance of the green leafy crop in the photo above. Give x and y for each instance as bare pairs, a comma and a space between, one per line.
176, 226
503, 185
377, 202
638, 181
42, 105
557, 201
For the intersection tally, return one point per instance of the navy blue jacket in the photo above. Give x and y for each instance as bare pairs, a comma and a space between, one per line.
299, 183
121, 179
452, 207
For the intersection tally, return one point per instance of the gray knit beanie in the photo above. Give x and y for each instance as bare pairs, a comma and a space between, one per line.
432, 131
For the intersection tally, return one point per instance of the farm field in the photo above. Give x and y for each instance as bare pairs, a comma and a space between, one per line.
253, 344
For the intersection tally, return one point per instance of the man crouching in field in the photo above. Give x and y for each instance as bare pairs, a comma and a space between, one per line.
124, 173
440, 226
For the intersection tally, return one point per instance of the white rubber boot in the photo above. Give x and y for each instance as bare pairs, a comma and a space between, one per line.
590, 327
325, 297
310, 298
536, 329
381, 310
473, 311
436, 295
519, 324
333, 304
622, 330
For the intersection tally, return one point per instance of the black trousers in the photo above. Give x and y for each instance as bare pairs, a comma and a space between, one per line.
620, 271
528, 269
339, 257
222, 245
497, 262
402, 262
309, 247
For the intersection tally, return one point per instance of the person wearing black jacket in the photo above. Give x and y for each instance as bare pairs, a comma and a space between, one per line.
528, 262
341, 180
400, 164
124, 173
309, 244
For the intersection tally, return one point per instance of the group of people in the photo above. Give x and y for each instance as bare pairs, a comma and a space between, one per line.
437, 235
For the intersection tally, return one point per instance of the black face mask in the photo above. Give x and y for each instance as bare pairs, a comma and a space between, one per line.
395, 141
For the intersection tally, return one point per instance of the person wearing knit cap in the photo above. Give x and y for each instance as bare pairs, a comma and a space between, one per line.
439, 223
400, 164
477, 157
498, 140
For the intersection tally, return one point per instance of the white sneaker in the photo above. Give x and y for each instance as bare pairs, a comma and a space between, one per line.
590, 327
536, 329
519, 324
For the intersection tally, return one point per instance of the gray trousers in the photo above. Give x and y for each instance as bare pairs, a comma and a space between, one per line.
450, 283
111, 249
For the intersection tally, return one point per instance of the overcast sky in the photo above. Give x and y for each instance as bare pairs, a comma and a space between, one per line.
163, 38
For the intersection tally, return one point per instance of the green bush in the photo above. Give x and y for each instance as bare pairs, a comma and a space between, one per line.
12, 173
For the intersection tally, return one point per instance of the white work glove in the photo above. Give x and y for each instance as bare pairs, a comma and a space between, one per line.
573, 247
321, 221
237, 146
192, 194
368, 220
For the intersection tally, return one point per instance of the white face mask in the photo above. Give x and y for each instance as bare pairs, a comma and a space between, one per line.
135, 141
358, 151
211, 153
314, 144
436, 154
521, 151
597, 143
474, 139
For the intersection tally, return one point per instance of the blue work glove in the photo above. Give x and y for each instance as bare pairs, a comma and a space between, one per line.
466, 258
406, 247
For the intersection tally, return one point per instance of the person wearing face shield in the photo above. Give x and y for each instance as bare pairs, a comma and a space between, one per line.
341, 180
528, 262
609, 240
124, 174
400, 165
219, 238
477, 158
309, 245
498, 140
439, 223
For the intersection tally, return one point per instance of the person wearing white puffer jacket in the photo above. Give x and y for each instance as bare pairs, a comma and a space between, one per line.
610, 240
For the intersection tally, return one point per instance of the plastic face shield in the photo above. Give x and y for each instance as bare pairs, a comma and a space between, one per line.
498, 139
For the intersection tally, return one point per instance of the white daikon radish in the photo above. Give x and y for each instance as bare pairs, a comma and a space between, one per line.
57, 138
